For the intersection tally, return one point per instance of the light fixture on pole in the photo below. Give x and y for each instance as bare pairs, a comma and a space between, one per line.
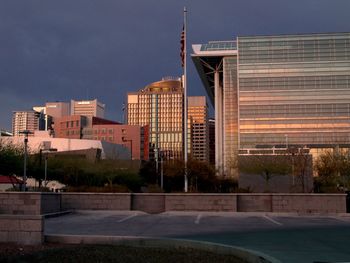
25, 133
185, 124
46, 152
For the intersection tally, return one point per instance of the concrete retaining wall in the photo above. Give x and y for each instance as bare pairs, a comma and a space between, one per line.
315, 203
50, 203
29, 203
201, 202
292, 203
254, 203
20, 203
96, 201
149, 203
15, 203
22, 229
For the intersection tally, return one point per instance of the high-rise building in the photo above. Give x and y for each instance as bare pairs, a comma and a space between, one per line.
199, 130
57, 109
160, 105
92, 108
277, 91
25, 120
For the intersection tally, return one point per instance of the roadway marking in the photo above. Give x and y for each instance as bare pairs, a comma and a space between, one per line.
126, 218
198, 219
272, 220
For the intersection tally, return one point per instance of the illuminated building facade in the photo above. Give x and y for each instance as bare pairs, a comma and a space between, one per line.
277, 91
25, 120
160, 105
199, 130
92, 108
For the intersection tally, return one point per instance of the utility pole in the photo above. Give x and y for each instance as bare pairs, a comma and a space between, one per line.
26, 133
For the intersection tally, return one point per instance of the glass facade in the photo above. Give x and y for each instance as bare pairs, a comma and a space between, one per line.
230, 101
294, 90
279, 91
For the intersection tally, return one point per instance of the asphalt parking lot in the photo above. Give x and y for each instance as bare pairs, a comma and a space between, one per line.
287, 237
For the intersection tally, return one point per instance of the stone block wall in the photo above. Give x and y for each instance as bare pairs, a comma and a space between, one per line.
96, 201
309, 203
149, 203
254, 203
201, 202
22, 229
16, 203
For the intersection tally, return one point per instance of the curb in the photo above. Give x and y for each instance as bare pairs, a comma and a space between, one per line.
57, 214
250, 256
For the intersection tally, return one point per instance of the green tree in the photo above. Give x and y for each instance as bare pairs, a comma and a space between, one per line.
267, 166
11, 159
333, 170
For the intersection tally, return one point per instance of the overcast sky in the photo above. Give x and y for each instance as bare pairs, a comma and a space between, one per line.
57, 50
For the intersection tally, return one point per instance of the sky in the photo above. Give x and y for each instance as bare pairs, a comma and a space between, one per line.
84, 49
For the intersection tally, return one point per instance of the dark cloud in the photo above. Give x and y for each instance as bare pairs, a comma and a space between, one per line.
57, 50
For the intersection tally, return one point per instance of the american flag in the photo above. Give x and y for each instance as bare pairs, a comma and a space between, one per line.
182, 51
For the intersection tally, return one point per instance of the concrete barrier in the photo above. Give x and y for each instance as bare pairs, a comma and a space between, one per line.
22, 229
96, 201
201, 202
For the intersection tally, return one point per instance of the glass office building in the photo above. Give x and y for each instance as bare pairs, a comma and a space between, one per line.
277, 91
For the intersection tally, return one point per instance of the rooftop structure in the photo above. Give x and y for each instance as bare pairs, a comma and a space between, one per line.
92, 108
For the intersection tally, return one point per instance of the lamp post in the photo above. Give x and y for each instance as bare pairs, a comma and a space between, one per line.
26, 133
128, 140
161, 171
46, 152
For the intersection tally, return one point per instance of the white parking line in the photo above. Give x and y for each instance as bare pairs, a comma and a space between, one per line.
126, 218
272, 220
198, 219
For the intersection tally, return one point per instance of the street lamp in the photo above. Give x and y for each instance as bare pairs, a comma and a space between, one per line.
161, 171
46, 152
26, 133
126, 140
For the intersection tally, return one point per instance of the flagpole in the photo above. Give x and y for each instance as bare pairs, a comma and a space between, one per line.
185, 102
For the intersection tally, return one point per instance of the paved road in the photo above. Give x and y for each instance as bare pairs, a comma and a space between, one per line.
289, 238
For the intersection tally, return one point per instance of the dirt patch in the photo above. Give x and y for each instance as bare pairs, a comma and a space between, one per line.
57, 253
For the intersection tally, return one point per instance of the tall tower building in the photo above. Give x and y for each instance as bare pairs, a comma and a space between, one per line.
92, 108
57, 109
199, 130
160, 105
25, 120
277, 92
